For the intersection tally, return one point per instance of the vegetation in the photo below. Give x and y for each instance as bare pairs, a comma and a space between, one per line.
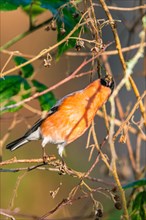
81, 34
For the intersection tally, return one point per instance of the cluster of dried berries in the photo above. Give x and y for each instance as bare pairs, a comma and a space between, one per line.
51, 26
75, 15
79, 45
98, 214
118, 204
47, 61
62, 31
116, 199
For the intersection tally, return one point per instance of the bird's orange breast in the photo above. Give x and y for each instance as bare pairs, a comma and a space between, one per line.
75, 113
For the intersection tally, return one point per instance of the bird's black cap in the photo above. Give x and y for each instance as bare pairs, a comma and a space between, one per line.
108, 82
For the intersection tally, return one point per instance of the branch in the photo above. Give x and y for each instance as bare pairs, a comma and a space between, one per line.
129, 116
21, 36
45, 51
119, 48
15, 160
108, 53
119, 123
36, 95
124, 9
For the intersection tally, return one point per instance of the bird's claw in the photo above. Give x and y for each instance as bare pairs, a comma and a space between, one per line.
45, 158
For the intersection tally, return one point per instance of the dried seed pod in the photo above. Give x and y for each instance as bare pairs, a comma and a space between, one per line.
116, 198
47, 61
75, 15
62, 31
53, 25
47, 28
78, 47
118, 205
114, 189
95, 50
79, 44
99, 213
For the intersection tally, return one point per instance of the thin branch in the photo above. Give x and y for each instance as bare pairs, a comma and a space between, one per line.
9, 214
19, 179
26, 33
15, 160
119, 48
13, 124
124, 9
45, 51
36, 95
108, 53
129, 116
69, 53
119, 123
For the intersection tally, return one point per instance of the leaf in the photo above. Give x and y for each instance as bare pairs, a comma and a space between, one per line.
138, 183
10, 87
33, 9
27, 70
64, 12
8, 5
53, 5
11, 102
69, 23
138, 209
47, 100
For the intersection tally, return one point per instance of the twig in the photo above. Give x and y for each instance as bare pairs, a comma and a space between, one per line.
15, 160
127, 9
63, 203
104, 158
124, 9
69, 53
19, 179
119, 123
13, 124
129, 116
118, 46
114, 158
45, 51
7, 215
108, 53
36, 95
128, 142
21, 36
8, 60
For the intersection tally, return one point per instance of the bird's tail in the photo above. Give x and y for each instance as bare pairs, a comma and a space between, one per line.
17, 143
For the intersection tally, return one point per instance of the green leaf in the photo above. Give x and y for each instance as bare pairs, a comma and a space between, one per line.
33, 9
63, 12
53, 5
138, 207
47, 100
69, 23
11, 86
11, 102
134, 184
8, 5
27, 70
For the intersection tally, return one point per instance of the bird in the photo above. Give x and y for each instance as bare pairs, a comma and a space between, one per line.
70, 117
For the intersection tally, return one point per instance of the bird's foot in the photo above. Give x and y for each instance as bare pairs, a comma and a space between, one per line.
62, 168
45, 158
